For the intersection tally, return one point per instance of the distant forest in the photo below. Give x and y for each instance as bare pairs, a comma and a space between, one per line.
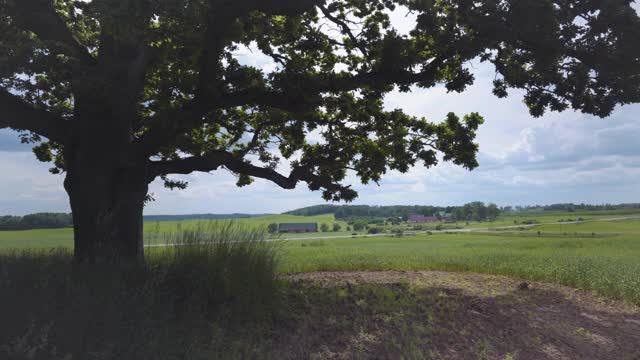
62, 220
36, 221
474, 211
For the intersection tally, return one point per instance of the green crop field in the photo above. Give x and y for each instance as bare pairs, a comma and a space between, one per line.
607, 263
49, 238
598, 255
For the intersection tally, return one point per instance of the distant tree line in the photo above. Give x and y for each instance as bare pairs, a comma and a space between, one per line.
62, 220
366, 211
571, 207
36, 221
474, 211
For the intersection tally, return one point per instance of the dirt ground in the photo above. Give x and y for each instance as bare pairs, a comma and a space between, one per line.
431, 314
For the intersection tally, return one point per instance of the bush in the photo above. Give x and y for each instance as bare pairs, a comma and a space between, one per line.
336, 227
272, 228
324, 227
374, 230
359, 226
187, 300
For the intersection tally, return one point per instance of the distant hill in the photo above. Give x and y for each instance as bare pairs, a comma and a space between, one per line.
200, 217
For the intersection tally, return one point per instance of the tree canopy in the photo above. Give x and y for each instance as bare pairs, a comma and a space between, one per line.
171, 68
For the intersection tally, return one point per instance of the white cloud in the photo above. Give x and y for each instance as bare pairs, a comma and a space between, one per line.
26, 185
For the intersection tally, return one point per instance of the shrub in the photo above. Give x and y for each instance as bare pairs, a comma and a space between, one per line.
336, 227
359, 226
324, 227
374, 230
272, 228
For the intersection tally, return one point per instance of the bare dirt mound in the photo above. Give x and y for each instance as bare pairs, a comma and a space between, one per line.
440, 315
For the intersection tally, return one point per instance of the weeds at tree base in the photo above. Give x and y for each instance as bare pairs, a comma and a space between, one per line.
220, 280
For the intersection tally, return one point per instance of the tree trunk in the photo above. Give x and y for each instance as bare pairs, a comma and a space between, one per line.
107, 200
107, 178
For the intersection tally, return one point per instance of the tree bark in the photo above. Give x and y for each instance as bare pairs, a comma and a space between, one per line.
107, 216
107, 189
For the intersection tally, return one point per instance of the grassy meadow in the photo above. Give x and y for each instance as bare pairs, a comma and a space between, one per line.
229, 299
155, 230
594, 255
608, 264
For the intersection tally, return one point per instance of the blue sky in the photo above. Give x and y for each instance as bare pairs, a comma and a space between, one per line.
561, 157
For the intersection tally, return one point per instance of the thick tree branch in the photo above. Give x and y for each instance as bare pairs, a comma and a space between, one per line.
216, 159
40, 17
19, 115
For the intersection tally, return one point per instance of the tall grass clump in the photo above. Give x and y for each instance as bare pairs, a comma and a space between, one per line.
215, 284
226, 263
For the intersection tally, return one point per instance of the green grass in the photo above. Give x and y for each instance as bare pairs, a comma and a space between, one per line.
49, 238
608, 265
517, 218
165, 226
223, 299
36, 239
187, 302
626, 227
598, 256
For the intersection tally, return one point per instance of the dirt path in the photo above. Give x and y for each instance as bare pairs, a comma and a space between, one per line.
471, 316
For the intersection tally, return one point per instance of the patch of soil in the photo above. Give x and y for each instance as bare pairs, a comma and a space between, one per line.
441, 315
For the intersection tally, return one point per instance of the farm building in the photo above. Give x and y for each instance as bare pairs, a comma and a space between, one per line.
298, 227
420, 219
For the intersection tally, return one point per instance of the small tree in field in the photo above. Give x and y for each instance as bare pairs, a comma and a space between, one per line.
118, 93
359, 226
337, 227
272, 228
324, 228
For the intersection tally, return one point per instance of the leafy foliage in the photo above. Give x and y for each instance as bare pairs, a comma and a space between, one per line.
158, 85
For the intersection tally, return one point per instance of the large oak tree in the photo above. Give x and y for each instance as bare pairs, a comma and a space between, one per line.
117, 93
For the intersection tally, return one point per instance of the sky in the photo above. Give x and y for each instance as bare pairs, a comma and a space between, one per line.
560, 157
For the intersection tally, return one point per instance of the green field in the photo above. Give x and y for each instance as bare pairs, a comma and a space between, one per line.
154, 230
599, 256
606, 263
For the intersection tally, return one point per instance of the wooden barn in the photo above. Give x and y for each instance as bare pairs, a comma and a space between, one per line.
298, 227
